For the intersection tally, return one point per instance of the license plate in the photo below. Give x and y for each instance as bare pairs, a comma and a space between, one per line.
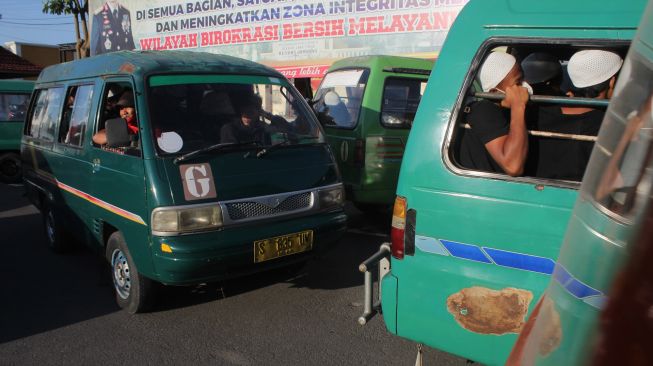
283, 245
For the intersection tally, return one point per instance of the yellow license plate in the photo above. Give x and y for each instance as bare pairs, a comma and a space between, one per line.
283, 245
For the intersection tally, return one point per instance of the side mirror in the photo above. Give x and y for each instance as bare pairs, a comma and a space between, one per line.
117, 133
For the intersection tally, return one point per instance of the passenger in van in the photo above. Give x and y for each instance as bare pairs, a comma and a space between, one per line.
497, 141
249, 127
127, 112
592, 74
336, 109
216, 110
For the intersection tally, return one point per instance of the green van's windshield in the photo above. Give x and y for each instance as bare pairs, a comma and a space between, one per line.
192, 113
338, 100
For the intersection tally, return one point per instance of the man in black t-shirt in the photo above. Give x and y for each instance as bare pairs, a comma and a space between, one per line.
497, 141
592, 74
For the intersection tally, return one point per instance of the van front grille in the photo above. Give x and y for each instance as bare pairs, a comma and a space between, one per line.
250, 209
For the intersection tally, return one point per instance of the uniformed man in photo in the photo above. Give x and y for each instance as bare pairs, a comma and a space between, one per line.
111, 29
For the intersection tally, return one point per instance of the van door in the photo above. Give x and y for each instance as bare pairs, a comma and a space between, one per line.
116, 174
338, 104
72, 145
387, 133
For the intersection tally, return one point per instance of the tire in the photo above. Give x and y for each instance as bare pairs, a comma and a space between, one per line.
57, 241
134, 293
10, 168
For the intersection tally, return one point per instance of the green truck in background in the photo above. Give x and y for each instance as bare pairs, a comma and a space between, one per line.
366, 106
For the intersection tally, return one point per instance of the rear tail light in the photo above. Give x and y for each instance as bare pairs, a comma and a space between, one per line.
398, 227
359, 153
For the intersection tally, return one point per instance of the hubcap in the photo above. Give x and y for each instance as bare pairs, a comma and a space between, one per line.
121, 276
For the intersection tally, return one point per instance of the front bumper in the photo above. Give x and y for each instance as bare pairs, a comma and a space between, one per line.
229, 252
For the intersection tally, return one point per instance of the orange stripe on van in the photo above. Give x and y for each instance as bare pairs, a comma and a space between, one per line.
105, 205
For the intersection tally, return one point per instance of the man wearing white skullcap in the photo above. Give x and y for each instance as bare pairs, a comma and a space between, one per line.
592, 74
497, 141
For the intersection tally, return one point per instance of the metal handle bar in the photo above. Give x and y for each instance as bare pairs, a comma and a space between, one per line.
370, 307
555, 135
547, 99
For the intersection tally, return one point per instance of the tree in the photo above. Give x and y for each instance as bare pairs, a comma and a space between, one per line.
79, 9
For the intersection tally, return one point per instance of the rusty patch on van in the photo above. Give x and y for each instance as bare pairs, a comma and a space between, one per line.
127, 67
485, 311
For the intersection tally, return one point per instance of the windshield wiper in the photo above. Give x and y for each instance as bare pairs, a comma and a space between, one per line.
215, 147
285, 142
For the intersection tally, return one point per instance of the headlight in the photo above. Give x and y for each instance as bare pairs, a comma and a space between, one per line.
332, 197
172, 221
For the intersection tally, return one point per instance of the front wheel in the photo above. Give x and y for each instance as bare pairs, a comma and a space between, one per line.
134, 293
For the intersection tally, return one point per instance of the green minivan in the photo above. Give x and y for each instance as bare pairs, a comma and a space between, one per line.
14, 98
179, 167
473, 250
367, 105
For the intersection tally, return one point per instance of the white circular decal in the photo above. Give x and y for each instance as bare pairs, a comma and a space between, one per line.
170, 142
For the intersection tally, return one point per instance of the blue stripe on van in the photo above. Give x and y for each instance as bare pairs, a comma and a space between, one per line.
580, 290
514, 260
561, 275
521, 261
465, 251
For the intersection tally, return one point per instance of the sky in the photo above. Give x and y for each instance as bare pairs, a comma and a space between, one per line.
24, 21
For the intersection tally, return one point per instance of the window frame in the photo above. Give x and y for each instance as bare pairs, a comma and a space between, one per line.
385, 83
589, 191
29, 119
108, 80
367, 73
11, 92
475, 64
88, 121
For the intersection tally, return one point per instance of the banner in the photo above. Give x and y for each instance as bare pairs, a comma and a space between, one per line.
301, 37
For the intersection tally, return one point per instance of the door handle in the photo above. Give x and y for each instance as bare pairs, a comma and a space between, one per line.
96, 165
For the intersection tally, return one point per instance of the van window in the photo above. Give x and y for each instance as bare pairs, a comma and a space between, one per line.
625, 148
559, 144
118, 99
339, 99
46, 113
13, 106
400, 100
75, 114
191, 112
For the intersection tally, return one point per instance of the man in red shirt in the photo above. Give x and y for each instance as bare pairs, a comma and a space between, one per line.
127, 112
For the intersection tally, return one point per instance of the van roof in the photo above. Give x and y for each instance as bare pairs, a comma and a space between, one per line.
146, 62
586, 14
383, 61
16, 85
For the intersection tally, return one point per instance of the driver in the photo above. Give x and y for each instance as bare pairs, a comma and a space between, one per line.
249, 127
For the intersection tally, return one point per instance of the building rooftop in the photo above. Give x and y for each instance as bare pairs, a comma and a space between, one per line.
13, 66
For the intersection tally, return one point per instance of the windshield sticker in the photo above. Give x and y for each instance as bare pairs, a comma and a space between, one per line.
170, 142
275, 80
342, 78
198, 181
